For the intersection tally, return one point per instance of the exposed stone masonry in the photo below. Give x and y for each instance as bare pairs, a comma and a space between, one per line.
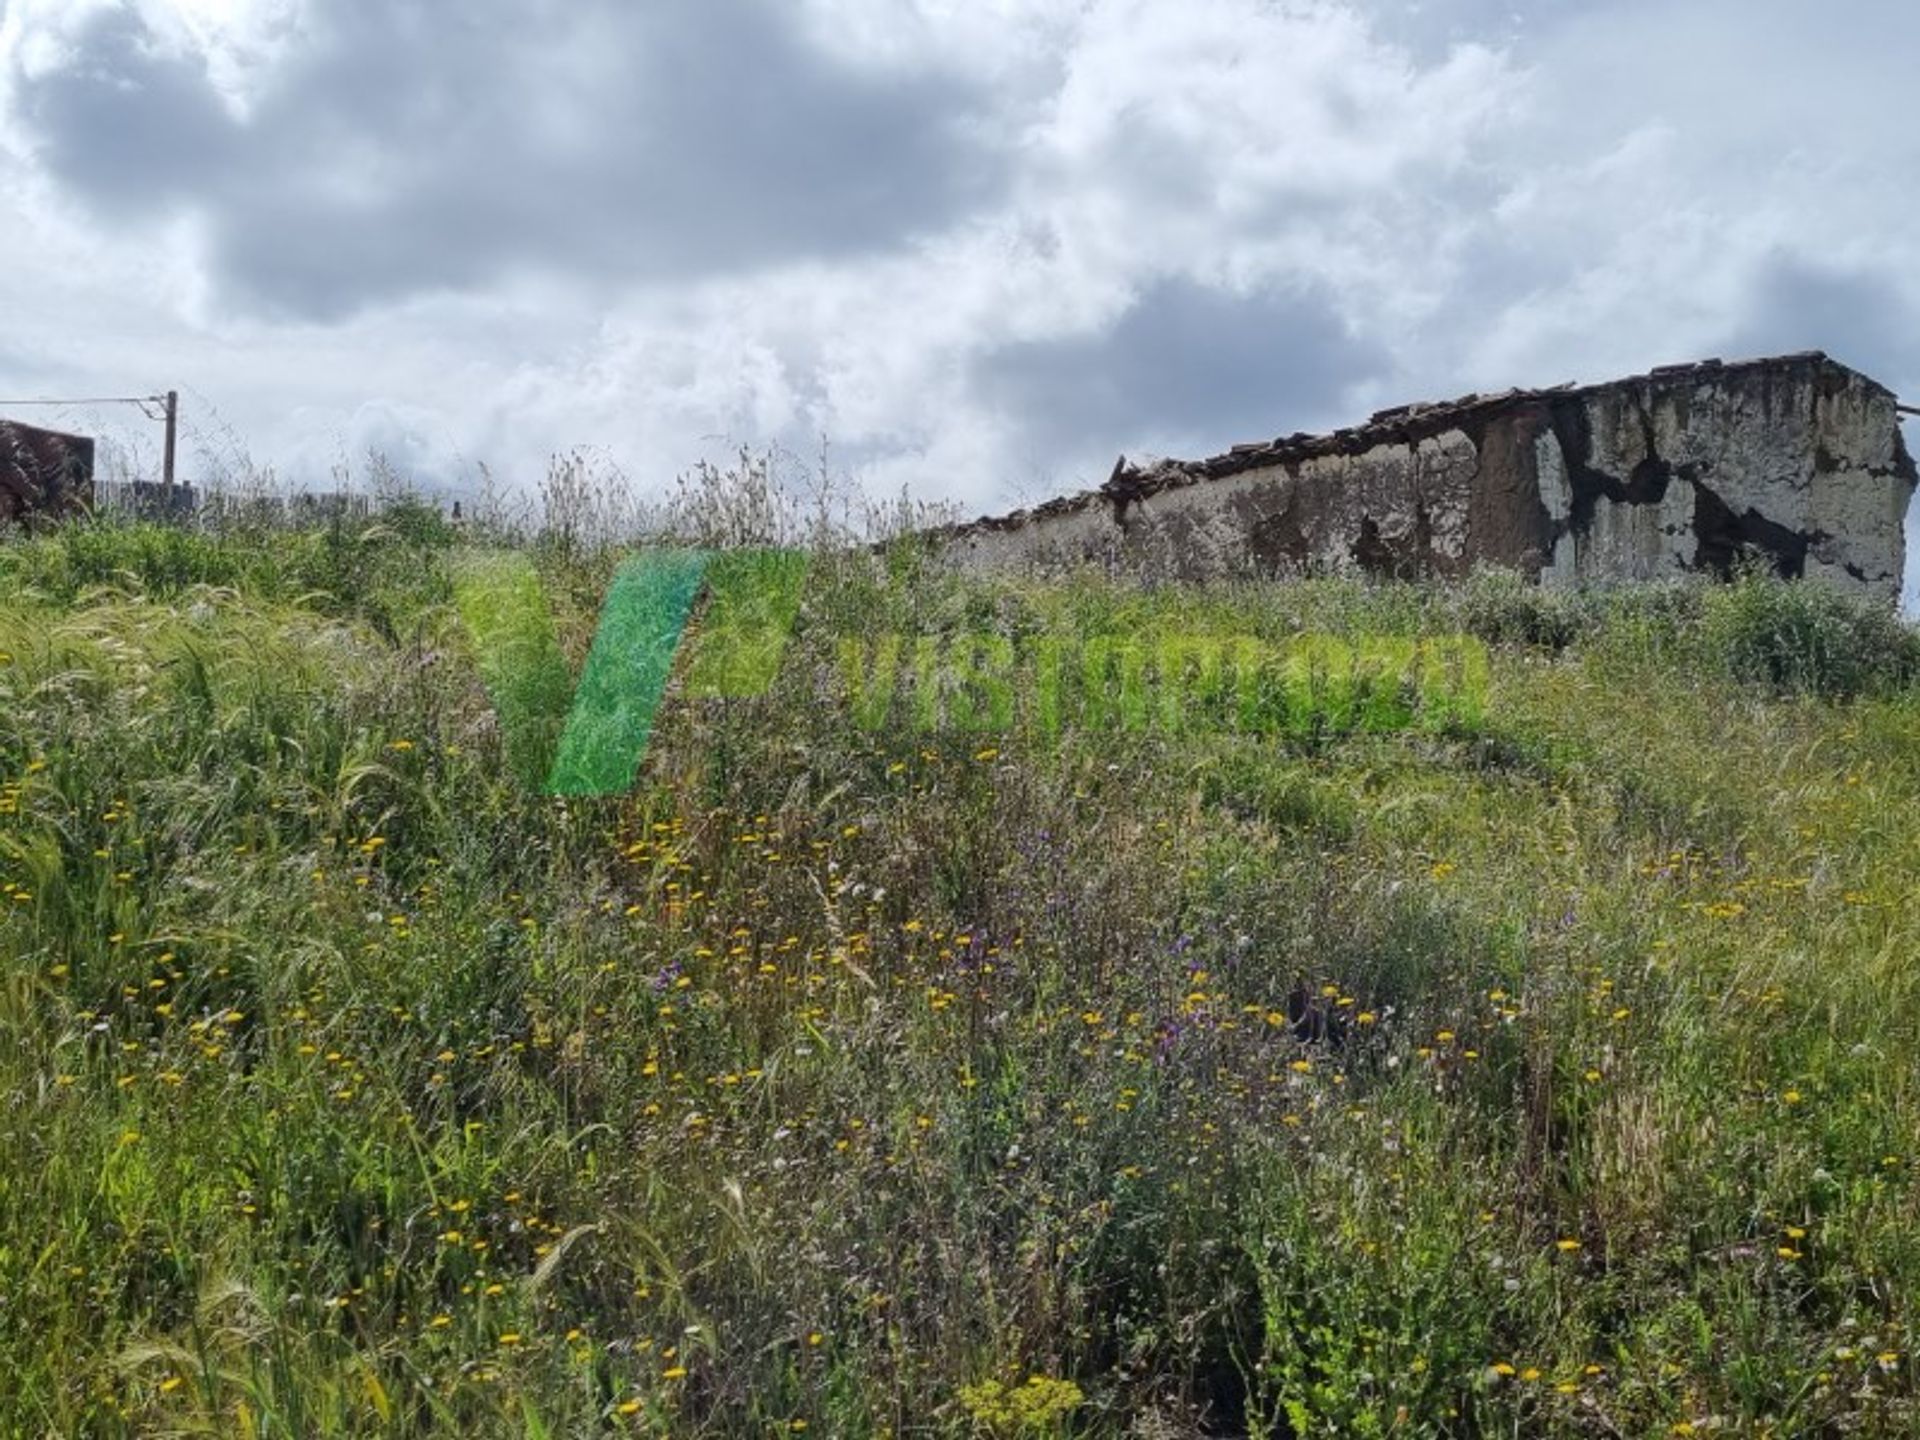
1795, 462
43, 471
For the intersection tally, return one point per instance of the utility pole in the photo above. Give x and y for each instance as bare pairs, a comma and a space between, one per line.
173, 425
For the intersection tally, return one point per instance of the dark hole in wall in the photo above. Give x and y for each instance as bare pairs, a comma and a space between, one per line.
1726, 540
1370, 552
1382, 560
1648, 483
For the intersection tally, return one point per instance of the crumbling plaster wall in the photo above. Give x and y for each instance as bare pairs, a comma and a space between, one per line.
1795, 462
43, 472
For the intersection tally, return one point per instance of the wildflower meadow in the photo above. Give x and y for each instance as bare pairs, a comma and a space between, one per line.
1545, 1069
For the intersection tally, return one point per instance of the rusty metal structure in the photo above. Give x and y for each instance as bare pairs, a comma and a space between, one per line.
43, 472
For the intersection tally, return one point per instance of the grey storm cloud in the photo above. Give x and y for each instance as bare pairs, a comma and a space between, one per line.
1186, 363
1801, 304
407, 147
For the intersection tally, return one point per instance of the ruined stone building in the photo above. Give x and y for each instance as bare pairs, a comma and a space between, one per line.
43, 472
1796, 463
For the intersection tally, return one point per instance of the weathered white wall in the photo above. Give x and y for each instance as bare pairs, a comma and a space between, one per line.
1797, 462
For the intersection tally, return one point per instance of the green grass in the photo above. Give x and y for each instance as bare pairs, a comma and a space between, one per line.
1548, 1075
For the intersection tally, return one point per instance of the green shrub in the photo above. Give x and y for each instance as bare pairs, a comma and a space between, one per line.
1808, 638
1502, 608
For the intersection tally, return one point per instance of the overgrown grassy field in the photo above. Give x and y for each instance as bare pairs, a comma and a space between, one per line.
1549, 1074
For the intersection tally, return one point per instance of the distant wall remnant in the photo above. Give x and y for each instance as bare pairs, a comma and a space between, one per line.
146, 499
1795, 463
43, 472
215, 506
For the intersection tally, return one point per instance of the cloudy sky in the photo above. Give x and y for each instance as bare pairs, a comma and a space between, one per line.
979, 245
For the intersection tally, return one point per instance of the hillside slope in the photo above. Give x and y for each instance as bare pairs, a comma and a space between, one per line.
1547, 1069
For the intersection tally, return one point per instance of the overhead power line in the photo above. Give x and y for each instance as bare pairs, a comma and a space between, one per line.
96, 400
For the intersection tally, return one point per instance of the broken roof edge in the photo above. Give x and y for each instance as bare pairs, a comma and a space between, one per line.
1404, 423
6, 424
